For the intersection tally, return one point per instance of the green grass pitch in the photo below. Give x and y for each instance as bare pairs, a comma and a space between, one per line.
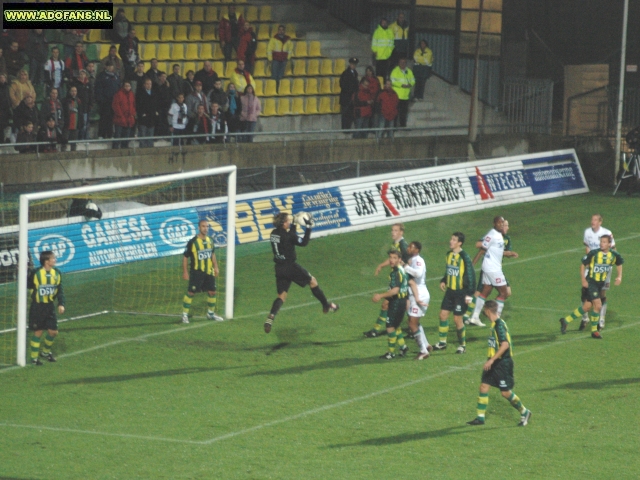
148, 397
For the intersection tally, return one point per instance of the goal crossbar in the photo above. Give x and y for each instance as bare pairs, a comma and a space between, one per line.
23, 236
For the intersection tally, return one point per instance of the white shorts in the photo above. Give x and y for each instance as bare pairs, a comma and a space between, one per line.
495, 279
416, 310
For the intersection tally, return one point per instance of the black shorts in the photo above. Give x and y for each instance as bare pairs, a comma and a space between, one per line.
291, 272
201, 282
453, 301
500, 375
593, 291
396, 311
42, 316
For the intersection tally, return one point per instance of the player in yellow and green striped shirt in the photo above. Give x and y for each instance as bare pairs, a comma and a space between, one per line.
200, 253
599, 263
46, 286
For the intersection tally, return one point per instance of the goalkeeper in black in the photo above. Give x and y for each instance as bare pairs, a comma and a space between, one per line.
46, 286
284, 240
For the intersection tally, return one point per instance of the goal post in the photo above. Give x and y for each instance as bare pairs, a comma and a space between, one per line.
26, 200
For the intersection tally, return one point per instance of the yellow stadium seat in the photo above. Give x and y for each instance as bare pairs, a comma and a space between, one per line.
218, 54
312, 87
195, 33
298, 86
103, 50
335, 105
141, 15
163, 52
335, 85
259, 69
231, 66
313, 67
261, 51
94, 36
208, 32
177, 52
140, 32
258, 88
269, 109
166, 34
197, 15
311, 107
169, 14
284, 89
270, 89
159, 2
130, 13
153, 34
131, 1
301, 49
149, 51
170, 1
325, 105
188, 66
265, 13
251, 14
326, 67
211, 14
325, 86
284, 106
263, 32
298, 106
239, 10
314, 49
144, 1
184, 14
290, 29
340, 66
181, 33
299, 67
218, 67
206, 51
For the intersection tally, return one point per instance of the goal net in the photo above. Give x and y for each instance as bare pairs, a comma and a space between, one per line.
128, 261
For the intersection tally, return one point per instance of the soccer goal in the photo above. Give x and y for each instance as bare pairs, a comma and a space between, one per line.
126, 258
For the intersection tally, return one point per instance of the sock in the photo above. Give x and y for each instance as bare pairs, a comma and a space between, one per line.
400, 338
211, 302
515, 402
391, 341
421, 339
381, 322
35, 347
594, 317
479, 304
186, 304
577, 313
470, 308
603, 310
462, 336
319, 294
277, 303
483, 401
443, 330
48, 343
500, 301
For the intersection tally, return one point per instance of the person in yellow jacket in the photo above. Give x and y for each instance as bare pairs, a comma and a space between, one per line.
241, 77
400, 29
402, 80
382, 44
279, 51
422, 65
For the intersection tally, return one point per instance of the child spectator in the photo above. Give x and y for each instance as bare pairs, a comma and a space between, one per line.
200, 124
251, 109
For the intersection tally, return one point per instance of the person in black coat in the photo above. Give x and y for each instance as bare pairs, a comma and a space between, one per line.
107, 85
147, 108
25, 113
349, 85
6, 113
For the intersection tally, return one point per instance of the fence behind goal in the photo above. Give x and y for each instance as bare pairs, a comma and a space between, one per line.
130, 260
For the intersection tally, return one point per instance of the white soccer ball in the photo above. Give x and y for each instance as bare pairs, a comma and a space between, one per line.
303, 218
90, 208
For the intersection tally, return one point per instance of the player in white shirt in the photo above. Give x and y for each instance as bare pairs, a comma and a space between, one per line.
419, 297
591, 241
492, 247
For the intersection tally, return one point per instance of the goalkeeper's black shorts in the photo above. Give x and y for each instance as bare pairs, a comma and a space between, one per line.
42, 316
201, 282
290, 272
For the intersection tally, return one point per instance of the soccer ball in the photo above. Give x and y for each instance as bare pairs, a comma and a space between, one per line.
303, 218
91, 211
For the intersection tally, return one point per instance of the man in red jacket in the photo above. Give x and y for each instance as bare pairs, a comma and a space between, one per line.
124, 114
363, 108
388, 108
230, 28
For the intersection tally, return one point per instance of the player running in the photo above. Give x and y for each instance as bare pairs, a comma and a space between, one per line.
200, 253
457, 283
419, 297
284, 240
591, 241
399, 244
597, 264
498, 369
397, 304
46, 286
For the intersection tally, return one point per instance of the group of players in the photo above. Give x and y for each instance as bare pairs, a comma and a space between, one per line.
407, 293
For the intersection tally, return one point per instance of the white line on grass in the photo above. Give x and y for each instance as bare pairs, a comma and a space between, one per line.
313, 411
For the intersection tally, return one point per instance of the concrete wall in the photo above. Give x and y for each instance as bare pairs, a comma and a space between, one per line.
23, 169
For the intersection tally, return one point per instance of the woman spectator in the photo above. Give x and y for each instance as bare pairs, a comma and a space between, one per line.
189, 83
234, 109
247, 47
251, 109
21, 88
124, 114
423, 58
363, 108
